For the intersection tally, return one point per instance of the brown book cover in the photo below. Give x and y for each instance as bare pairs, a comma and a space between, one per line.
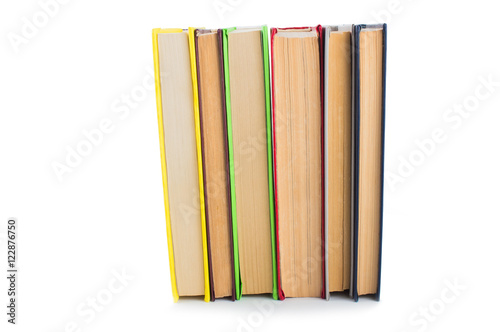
222, 183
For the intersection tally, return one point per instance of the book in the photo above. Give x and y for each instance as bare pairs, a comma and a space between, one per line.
370, 44
248, 129
180, 147
213, 124
272, 185
296, 55
338, 134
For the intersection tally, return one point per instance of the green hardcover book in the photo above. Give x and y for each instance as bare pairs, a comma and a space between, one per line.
248, 106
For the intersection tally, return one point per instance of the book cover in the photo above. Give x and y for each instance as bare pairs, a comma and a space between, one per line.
218, 36
159, 103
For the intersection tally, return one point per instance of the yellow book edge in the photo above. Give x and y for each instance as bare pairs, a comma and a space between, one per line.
157, 31
194, 76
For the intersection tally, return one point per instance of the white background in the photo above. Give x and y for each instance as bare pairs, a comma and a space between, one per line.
107, 214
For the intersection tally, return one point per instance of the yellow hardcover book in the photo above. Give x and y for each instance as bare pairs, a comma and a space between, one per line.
180, 147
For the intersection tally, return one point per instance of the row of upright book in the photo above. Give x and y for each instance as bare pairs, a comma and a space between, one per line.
272, 159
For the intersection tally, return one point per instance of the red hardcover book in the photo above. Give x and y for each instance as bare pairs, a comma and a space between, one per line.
301, 259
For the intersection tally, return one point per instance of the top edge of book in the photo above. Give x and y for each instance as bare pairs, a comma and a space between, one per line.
371, 27
247, 28
333, 28
339, 28
296, 33
205, 31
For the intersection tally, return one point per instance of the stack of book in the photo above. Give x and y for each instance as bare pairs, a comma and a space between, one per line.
272, 159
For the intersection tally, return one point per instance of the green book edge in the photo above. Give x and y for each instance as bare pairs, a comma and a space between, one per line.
237, 277
267, 86
265, 50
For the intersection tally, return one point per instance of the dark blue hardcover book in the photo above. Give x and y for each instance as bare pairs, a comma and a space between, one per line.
362, 111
